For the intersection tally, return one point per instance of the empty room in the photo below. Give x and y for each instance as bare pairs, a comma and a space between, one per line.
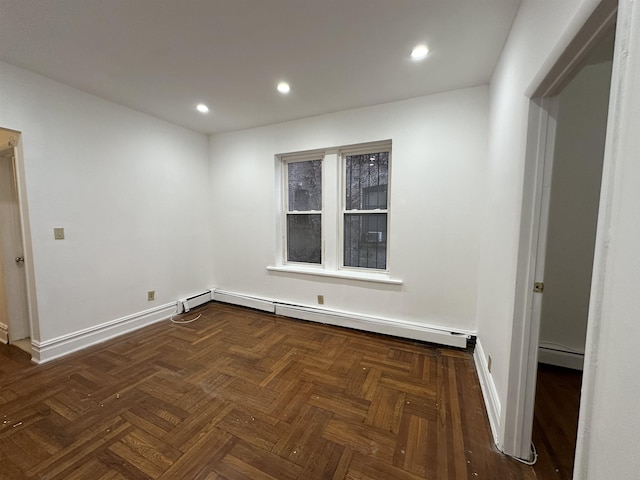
282, 239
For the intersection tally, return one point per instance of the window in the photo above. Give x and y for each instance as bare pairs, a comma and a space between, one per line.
336, 209
366, 181
304, 211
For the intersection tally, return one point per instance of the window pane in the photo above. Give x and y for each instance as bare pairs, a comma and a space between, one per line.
365, 240
367, 177
304, 238
305, 185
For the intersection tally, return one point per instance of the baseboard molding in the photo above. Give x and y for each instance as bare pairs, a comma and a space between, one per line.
397, 328
489, 391
55, 348
4, 333
560, 358
48, 350
244, 300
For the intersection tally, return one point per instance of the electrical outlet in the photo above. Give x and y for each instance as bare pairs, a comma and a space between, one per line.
320, 299
151, 295
489, 363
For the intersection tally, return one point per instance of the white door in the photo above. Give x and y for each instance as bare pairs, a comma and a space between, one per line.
13, 286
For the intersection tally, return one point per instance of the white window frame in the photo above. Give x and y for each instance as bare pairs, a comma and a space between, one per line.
285, 161
332, 214
363, 149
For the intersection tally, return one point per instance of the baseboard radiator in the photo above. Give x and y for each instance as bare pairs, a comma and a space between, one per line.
398, 328
186, 304
560, 356
244, 301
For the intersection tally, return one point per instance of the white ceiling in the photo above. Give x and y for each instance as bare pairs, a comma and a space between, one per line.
163, 57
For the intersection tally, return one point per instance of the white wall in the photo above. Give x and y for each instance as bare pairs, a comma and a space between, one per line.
575, 195
609, 420
437, 191
538, 27
130, 191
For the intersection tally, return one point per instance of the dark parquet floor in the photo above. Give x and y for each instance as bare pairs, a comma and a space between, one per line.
555, 422
240, 394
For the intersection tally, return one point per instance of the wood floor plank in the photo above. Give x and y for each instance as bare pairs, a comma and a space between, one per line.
256, 463
241, 394
555, 421
300, 442
386, 409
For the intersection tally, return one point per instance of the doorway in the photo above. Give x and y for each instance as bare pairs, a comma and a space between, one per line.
571, 213
530, 291
15, 325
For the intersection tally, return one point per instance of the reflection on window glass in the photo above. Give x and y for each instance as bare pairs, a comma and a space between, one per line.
304, 238
305, 185
366, 190
365, 240
366, 181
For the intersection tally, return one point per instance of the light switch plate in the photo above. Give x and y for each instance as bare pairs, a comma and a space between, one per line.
58, 233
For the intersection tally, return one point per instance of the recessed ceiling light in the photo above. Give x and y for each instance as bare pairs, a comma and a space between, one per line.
202, 108
283, 87
419, 52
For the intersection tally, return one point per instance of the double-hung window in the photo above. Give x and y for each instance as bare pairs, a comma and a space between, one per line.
304, 210
336, 204
365, 208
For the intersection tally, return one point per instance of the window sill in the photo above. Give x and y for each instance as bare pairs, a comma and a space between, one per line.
362, 276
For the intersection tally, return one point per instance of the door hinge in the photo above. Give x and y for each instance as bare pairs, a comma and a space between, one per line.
538, 287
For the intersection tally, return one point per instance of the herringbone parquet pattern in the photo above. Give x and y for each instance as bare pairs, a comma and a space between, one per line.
245, 395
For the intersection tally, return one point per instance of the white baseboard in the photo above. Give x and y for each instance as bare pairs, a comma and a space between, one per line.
4, 333
244, 300
560, 358
489, 391
397, 328
186, 304
51, 349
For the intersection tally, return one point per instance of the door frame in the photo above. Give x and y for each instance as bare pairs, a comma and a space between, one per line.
519, 411
15, 141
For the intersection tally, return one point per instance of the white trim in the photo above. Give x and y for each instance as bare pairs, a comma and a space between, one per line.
560, 357
25, 307
4, 333
57, 347
286, 160
346, 274
606, 287
193, 301
25, 231
69, 343
489, 392
518, 421
397, 328
362, 149
244, 300
585, 27
332, 213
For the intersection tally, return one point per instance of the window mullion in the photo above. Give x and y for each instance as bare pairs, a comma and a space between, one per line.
331, 207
